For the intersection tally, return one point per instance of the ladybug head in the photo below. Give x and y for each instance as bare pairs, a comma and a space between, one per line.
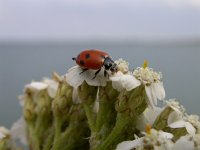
109, 64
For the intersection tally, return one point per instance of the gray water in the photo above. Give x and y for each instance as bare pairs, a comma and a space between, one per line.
21, 63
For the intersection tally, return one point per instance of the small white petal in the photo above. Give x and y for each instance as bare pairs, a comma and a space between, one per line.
160, 91
148, 117
99, 80
184, 144
128, 145
149, 95
96, 107
141, 122
177, 124
124, 81
117, 85
18, 131
52, 87
73, 76
36, 86
130, 82
154, 91
96, 103
190, 129
152, 114
116, 81
166, 135
75, 97
173, 117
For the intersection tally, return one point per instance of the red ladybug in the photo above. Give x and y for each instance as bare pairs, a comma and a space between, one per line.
95, 60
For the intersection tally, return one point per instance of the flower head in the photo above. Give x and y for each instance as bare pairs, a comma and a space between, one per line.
194, 120
152, 81
122, 65
153, 138
179, 119
36, 86
175, 105
188, 142
142, 75
47, 84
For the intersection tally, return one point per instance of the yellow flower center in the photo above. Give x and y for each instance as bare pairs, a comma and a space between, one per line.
145, 64
148, 129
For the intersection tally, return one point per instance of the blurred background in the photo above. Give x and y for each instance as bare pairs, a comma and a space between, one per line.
39, 37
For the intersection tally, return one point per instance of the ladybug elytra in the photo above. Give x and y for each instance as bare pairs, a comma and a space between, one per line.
95, 60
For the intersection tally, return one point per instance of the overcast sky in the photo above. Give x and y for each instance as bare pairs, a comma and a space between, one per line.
65, 19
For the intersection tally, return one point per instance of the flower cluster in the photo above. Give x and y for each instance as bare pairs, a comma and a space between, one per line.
5, 139
117, 111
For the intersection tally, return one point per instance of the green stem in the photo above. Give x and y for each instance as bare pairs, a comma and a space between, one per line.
106, 113
122, 121
90, 117
58, 124
49, 141
101, 116
58, 143
33, 138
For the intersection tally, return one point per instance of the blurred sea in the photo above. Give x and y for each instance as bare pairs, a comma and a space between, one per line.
22, 63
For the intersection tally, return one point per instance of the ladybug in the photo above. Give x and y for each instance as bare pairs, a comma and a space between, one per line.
95, 60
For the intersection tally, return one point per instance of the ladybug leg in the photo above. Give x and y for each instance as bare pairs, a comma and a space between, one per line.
83, 70
106, 74
96, 73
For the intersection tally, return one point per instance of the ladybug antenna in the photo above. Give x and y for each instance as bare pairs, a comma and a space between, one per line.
74, 58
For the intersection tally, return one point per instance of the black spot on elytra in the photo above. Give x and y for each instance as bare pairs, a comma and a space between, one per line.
82, 62
87, 56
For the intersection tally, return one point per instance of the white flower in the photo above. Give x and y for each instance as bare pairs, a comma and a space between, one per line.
153, 85
178, 119
75, 77
148, 117
4, 132
47, 83
142, 75
175, 105
122, 81
52, 87
157, 139
128, 145
188, 142
36, 86
194, 120
18, 131
33, 87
